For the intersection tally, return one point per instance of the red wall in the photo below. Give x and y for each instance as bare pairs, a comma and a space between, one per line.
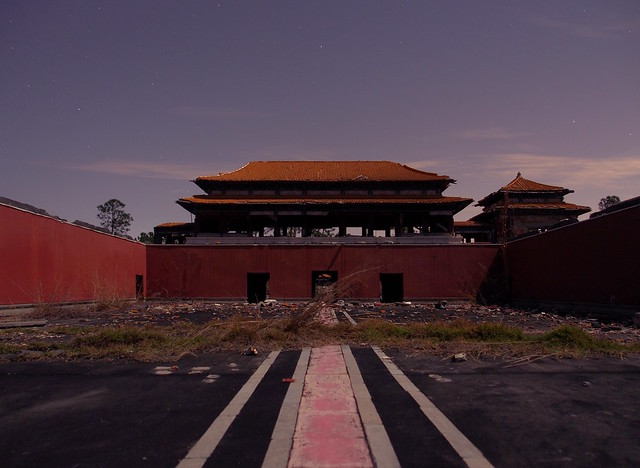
595, 261
221, 271
46, 260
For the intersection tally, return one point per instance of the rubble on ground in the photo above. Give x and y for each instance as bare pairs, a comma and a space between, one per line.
165, 312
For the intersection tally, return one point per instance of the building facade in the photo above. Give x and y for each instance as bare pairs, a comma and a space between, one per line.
318, 198
519, 208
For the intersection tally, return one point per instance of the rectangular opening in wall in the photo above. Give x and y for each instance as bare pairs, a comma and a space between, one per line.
139, 286
257, 287
391, 286
321, 281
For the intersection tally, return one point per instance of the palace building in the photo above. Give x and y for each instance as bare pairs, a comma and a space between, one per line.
315, 198
519, 208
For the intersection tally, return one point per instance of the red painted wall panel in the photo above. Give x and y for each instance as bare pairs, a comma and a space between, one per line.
595, 261
221, 271
46, 260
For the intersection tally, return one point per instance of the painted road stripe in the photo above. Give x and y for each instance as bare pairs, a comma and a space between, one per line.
463, 446
377, 437
282, 437
349, 318
204, 447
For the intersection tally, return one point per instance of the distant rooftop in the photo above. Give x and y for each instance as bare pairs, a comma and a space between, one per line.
520, 184
324, 200
325, 171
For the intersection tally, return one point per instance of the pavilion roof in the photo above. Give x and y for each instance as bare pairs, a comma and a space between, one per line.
546, 206
198, 203
325, 171
561, 207
330, 199
522, 185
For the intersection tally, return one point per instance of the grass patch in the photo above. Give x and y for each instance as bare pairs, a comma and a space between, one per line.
9, 348
157, 342
109, 336
570, 338
460, 330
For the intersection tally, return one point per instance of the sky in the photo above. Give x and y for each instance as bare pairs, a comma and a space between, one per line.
134, 99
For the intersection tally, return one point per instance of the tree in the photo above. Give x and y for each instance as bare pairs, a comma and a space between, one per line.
146, 237
326, 232
608, 201
114, 218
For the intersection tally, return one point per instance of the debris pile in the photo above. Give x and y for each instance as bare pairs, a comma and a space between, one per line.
166, 312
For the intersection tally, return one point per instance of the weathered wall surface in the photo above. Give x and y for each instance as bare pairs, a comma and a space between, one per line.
595, 261
435, 271
46, 260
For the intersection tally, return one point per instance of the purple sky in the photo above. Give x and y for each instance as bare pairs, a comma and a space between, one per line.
132, 99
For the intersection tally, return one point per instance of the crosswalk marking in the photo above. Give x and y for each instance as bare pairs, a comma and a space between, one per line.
282, 437
210, 378
281, 447
204, 447
377, 437
463, 446
162, 370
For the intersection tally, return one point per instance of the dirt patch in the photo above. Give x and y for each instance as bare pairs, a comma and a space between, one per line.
148, 329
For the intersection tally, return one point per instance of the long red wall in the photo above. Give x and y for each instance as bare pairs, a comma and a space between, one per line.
595, 261
221, 271
46, 260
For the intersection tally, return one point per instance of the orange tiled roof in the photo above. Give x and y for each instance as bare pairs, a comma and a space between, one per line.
545, 206
340, 199
520, 184
325, 171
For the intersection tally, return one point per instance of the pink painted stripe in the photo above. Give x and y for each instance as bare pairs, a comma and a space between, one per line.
328, 430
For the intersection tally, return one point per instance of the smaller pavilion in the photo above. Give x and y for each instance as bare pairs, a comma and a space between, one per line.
519, 208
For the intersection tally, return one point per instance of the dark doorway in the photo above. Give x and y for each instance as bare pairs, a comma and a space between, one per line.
139, 286
321, 281
257, 287
392, 287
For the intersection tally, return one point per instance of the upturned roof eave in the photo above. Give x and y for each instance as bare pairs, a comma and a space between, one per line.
575, 210
325, 171
499, 195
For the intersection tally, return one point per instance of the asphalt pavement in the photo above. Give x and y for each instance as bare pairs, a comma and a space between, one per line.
569, 412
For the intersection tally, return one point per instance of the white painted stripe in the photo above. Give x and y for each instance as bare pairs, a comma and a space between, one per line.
349, 318
377, 437
471, 455
282, 437
204, 447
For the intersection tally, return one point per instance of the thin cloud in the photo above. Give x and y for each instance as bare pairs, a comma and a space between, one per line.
567, 170
589, 179
592, 31
218, 112
145, 169
489, 133
189, 171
